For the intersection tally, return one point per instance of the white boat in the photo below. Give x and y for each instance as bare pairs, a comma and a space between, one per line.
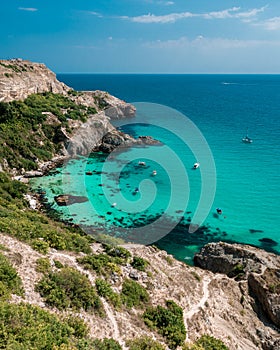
154, 172
141, 163
196, 165
247, 139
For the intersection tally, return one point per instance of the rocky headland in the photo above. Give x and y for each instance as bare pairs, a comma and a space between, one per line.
20, 79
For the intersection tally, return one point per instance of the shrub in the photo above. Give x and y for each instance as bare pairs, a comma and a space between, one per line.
207, 342
98, 344
105, 290
10, 282
117, 252
144, 343
58, 264
101, 263
168, 322
139, 263
40, 245
68, 288
133, 294
43, 265
28, 327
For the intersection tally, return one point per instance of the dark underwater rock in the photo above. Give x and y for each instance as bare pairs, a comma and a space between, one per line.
68, 199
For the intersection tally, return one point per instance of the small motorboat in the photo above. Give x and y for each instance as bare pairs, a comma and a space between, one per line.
247, 139
196, 165
154, 172
141, 163
219, 211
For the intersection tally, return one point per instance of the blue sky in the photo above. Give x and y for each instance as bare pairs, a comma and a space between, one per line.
144, 36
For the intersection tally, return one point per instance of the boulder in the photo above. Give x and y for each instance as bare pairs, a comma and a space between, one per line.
68, 199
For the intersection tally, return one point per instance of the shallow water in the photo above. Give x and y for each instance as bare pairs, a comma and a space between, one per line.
247, 175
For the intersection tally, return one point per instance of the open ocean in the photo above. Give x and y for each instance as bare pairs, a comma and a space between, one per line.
223, 108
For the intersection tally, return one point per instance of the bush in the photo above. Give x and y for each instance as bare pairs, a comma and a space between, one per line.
117, 252
133, 294
144, 343
68, 288
40, 245
58, 264
139, 263
10, 282
43, 265
97, 344
101, 263
168, 322
207, 342
105, 290
28, 327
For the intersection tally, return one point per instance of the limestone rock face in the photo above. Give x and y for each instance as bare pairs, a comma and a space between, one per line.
224, 258
113, 107
20, 78
266, 288
259, 268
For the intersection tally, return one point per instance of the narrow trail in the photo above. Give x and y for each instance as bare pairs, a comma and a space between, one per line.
205, 295
109, 312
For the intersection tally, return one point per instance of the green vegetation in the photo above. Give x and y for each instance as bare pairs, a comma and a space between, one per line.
105, 290
9, 279
133, 294
168, 322
104, 344
144, 343
28, 327
68, 288
13, 67
237, 272
43, 265
33, 227
207, 342
58, 264
108, 262
31, 129
139, 263
117, 252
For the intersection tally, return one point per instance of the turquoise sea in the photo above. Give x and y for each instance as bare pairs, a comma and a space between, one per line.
128, 201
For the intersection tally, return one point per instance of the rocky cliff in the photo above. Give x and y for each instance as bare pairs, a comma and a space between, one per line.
88, 113
256, 269
20, 78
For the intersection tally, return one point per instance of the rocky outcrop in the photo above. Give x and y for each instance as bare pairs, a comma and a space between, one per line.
113, 107
115, 139
229, 259
266, 288
67, 199
260, 269
20, 78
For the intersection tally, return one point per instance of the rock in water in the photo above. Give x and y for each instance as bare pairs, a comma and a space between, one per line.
68, 199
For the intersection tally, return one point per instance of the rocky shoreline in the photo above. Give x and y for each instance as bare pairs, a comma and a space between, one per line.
259, 269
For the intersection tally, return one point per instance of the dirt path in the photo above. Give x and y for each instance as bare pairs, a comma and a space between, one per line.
205, 295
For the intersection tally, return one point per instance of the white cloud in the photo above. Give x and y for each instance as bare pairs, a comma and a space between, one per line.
202, 43
233, 12
270, 24
161, 2
150, 18
97, 14
30, 9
